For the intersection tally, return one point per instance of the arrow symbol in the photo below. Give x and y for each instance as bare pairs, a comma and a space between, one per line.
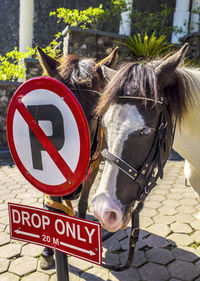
26, 233
90, 252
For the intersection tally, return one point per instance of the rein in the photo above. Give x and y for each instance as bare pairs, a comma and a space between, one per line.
146, 176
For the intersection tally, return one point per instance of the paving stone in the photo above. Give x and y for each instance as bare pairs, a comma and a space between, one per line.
160, 191
159, 198
3, 213
148, 212
29, 201
120, 234
112, 244
138, 260
31, 250
77, 265
72, 277
152, 204
182, 270
156, 241
125, 244
183, 255
4, 263
3, 206
95, 273
10, 250
159, 229
159, 255
4, 238
9, 277
186, 209
180, 239
196, 224
189, 202
196, 236
179, 227
163, 219
184, 218
7, 196
36, 276
153, 272
131, 274
166, 210
110, 258
175, 196
23, 265
145, 222
171, 203
4, 220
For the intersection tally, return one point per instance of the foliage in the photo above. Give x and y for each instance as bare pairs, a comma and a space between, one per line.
145, 22
92, 17
148, 47
12, 67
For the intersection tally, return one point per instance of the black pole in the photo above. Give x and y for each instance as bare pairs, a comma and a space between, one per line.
61, 259
61, 266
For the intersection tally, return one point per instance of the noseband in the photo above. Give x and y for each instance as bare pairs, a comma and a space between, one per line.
146, 176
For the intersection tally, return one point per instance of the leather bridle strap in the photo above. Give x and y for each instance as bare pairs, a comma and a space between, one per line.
119, 163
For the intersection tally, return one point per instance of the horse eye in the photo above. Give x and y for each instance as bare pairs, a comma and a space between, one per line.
145, 131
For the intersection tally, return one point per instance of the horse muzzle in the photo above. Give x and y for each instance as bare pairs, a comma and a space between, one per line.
109, 213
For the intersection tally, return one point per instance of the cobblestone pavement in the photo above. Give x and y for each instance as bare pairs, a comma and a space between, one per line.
168, 248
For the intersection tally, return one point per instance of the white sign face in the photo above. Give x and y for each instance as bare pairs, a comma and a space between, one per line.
58, 123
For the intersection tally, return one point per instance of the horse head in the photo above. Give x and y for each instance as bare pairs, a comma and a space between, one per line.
138, 110
83, 76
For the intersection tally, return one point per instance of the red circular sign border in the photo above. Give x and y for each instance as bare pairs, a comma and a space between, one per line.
61, 90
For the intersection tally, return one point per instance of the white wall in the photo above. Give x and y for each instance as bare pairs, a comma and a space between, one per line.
26, 24
181, 18
125, 25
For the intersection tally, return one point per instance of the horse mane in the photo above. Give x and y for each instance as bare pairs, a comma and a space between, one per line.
139, 79
78, 73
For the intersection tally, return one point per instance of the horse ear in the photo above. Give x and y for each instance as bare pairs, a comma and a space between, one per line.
107, 72
168, 66
110, 60
48, 63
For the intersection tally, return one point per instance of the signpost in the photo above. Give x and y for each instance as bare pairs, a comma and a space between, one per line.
77, 237
49, 140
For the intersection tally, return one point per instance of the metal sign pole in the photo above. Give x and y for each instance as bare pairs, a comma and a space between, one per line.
61, 266
61, 259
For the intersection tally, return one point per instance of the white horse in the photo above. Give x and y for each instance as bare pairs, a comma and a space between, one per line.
141, 103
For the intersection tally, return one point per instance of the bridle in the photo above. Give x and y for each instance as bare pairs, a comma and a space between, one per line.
147, 175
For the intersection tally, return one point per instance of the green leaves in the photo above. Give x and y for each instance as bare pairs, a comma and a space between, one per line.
148, 47
12, 67
92, 17
75, 17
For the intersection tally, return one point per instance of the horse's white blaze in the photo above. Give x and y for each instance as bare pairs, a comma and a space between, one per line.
118, 123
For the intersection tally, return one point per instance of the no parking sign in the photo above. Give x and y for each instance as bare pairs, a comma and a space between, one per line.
48, 136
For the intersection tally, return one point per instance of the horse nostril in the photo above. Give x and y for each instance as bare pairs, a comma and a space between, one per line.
110, 217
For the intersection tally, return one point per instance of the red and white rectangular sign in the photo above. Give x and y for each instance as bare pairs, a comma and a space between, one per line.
77, 237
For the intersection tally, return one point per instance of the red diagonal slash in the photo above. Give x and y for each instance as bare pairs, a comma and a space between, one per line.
50, 148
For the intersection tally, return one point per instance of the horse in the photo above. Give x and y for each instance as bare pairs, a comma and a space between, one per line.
85, 78
145, 108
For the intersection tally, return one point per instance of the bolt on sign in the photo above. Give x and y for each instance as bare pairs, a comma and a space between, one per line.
48, 136
77, 237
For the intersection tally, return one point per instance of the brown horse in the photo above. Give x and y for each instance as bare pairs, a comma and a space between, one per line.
85, 78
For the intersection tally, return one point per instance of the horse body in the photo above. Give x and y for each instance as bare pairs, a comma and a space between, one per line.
187, 135
139, 108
